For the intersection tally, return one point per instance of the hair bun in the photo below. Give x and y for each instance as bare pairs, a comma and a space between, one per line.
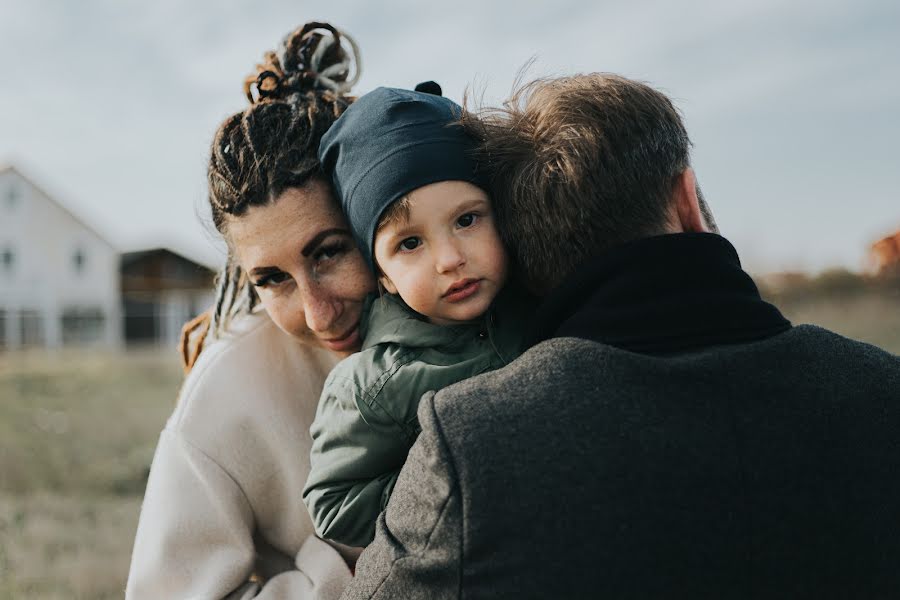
311, 58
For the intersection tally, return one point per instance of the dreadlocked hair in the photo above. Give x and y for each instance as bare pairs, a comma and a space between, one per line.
295, 95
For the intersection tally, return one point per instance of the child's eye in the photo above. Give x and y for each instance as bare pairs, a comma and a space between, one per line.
467, 220
410, 243
271, 280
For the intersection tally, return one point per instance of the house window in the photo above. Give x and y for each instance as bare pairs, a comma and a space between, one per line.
31, 328
7, 260
78, 260
12, 196
82, 325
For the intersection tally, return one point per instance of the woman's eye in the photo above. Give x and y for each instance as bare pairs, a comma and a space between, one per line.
467, 220
329, 252
410, 243
271, 280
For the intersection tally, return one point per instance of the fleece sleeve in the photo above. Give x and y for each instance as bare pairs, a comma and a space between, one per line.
417, 550
194, 538
358, 449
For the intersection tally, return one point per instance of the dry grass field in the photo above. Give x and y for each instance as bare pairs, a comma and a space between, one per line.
856, 306
78, 432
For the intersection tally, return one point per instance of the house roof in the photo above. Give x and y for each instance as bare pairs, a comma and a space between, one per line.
13, 169
127, 258
159, 269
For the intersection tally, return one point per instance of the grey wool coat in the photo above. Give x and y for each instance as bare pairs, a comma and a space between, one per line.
725, 455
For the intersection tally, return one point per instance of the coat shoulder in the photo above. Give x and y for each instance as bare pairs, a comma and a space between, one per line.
473, 407
531, 371
252, 379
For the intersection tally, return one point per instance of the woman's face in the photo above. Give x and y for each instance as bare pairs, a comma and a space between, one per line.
300, 255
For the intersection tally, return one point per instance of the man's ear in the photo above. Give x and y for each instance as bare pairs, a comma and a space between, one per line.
687, 203
387, 284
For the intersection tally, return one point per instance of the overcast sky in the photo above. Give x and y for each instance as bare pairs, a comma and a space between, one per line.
793, 106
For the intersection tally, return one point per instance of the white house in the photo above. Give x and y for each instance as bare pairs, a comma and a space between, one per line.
59, 279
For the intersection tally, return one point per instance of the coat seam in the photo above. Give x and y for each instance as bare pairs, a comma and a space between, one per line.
455, 488
371, 398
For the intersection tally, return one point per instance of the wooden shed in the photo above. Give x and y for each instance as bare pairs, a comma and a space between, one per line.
161, 290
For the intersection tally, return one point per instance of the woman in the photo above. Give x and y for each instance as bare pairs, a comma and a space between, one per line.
222, 516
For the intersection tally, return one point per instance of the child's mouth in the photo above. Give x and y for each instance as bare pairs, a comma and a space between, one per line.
461, 290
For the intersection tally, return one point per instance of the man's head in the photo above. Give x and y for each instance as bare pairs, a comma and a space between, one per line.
579, 164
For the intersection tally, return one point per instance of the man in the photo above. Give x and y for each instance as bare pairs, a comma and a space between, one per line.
668, 434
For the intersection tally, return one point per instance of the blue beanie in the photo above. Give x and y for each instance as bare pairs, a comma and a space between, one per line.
385, 145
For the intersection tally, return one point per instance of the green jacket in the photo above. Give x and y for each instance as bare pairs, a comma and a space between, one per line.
366, 419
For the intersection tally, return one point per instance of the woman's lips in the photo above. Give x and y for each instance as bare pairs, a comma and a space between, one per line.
462, 290
348, 341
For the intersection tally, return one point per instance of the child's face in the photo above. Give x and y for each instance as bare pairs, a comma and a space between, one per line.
446, 261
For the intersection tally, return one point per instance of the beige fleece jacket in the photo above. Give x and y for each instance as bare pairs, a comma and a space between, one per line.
223, 502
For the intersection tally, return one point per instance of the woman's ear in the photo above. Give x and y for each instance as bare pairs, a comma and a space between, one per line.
687, 203
387, 284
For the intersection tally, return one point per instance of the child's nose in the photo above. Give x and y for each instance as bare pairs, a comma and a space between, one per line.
449, 257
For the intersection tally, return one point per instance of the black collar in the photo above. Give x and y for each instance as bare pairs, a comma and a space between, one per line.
659, 295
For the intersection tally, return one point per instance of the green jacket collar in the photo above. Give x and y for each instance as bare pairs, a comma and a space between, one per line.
387, 319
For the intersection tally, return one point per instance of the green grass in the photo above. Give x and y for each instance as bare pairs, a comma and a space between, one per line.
78, 432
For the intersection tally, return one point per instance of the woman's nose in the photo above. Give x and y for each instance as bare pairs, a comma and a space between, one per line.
320, 308
448, 257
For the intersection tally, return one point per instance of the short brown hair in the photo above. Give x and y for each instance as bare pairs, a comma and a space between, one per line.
398, 212
576, 165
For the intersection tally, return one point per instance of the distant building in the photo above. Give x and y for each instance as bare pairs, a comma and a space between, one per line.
161, 290
63, 284
59, 279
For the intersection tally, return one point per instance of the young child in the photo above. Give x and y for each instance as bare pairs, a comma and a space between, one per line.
403, 171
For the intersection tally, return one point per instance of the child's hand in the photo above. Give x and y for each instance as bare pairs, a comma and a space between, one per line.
349, 553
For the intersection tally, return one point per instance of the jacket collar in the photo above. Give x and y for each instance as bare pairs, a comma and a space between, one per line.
388, 319
659, 295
